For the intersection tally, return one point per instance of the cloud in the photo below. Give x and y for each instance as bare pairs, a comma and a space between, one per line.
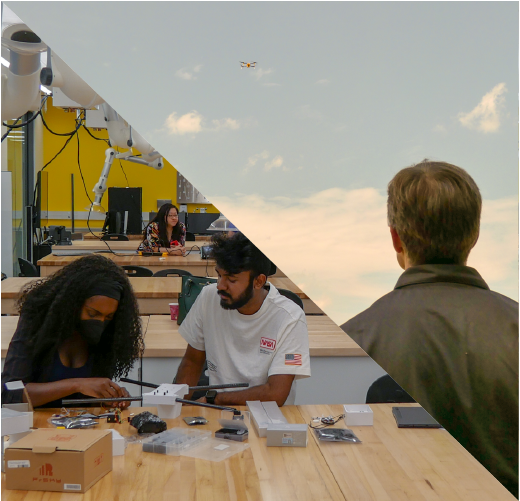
190, 123
258, 73
270, 164
336, 246
275, 163
323, 82
226, 123
188, 74
193, 123
252, 161
485, 117
440, 128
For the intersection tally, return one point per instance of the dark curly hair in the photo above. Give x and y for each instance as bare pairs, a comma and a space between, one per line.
236, 253
51, 308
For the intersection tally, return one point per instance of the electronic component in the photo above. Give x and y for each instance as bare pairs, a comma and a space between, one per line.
146, 422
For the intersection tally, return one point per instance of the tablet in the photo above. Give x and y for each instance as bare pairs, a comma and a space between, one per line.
413, 417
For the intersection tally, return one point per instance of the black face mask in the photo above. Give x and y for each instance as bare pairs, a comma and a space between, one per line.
92, 330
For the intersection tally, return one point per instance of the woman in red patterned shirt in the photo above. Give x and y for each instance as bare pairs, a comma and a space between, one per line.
165, 233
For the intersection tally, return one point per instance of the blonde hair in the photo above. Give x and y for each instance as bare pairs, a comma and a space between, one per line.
435, 209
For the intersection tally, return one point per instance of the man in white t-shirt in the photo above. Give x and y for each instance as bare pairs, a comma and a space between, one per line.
247, 331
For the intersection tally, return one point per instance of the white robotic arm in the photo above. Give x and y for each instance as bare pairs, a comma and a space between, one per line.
21, 81
21, 93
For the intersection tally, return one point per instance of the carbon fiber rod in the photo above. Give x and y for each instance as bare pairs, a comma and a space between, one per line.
81, 401
192, 388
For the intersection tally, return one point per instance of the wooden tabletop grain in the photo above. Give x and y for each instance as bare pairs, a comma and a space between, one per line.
144, 287
162, 338
390, 464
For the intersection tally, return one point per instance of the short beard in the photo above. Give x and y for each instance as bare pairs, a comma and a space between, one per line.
242, 300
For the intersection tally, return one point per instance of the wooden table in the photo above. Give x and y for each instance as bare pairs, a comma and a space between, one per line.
121, 247
326, 339
97, 235
390, 464
162, 338
193, 263
153, 293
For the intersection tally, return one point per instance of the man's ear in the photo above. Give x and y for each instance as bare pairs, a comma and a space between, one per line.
476, 239
396, 241
259, 281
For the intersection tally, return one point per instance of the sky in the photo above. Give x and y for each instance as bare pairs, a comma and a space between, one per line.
298, 151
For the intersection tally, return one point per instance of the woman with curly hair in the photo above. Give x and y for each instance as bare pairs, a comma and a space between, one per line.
165, 233
78, 330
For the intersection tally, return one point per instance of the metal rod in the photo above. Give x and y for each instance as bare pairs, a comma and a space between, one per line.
211, 406
139, 383
191, 388
72, 201
81, 401
220, 386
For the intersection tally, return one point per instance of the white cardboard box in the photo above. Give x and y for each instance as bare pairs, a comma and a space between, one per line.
118, 443
358, 415
264, 414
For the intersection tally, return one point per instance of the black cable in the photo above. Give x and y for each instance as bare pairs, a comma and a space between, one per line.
54, 157
15, 126
327, 421
127, 183
94, 137
60, 133
90, 211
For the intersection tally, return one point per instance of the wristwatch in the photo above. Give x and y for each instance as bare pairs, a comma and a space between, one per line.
210, 396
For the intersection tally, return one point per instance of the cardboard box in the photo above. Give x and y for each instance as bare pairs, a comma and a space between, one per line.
358, 415
58, 460
118, 443
286, 435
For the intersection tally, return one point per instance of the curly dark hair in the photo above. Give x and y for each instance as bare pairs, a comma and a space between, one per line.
236, 253
160, 219
51, 308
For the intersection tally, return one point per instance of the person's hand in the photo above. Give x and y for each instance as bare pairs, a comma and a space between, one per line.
176, 251
101, 387
122, 405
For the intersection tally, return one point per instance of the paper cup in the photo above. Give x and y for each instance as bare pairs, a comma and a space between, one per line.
174, 310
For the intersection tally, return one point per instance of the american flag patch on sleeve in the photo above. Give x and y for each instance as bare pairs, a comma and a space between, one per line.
293, 359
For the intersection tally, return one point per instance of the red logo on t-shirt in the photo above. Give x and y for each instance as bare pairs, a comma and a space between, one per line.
268, 344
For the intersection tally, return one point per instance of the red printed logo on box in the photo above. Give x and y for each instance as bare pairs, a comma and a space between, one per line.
62, 438
46, 469
98, 460
267, 344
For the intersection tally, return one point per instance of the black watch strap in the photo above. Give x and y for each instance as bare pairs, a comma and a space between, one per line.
210, 396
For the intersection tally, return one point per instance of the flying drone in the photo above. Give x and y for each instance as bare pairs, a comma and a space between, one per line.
247, 65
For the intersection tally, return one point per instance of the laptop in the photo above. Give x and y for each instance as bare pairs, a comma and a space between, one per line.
413, 417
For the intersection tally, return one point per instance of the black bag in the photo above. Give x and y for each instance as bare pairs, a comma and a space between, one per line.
191, 287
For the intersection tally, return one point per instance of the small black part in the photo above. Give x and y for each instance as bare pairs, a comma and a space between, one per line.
146, 422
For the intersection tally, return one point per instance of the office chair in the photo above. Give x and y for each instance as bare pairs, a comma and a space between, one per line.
190, 237
137, 271
27, 268
115, 237
292, 296
172, 272
385, 390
